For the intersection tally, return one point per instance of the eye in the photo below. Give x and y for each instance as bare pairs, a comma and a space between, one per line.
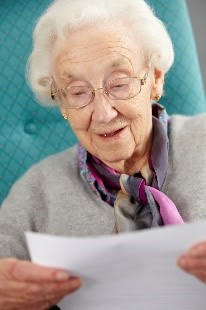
117, 86
78, 91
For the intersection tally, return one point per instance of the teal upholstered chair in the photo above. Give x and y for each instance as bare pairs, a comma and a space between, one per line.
29, 132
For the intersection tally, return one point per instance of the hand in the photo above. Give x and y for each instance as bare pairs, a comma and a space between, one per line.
194, 261
27, 286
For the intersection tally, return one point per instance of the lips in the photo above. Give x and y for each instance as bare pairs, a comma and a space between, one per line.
111, 134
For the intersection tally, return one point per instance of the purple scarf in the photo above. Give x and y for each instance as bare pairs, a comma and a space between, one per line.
137, 205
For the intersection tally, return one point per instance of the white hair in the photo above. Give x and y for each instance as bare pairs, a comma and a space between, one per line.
65, 15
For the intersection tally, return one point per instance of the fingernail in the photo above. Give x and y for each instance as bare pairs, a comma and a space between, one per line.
75, 283
61, 275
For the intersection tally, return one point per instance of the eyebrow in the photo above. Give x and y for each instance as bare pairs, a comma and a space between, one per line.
118, 63
115, 64
66, 76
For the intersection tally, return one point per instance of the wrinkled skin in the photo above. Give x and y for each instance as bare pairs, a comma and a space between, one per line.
26, 286
194, 261
95, 55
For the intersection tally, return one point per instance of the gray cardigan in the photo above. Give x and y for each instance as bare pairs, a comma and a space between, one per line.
52, 198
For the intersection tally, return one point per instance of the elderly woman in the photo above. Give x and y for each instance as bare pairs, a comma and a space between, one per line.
103, 63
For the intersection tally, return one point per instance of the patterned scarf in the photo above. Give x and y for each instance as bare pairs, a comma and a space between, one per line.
137, 204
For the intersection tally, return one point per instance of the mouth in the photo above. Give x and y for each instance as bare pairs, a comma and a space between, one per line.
112, 134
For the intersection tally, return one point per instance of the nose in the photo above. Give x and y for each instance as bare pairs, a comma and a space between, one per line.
103, 111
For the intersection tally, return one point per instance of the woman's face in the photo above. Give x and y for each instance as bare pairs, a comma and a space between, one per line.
112, 130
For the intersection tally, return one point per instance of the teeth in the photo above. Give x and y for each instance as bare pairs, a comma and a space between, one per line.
109, 134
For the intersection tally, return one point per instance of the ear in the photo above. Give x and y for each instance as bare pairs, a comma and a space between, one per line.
157, 84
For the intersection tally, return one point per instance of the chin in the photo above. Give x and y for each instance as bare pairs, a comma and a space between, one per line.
115, 156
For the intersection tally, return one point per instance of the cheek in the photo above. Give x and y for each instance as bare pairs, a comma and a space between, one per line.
79, 119
135, 108
140, 115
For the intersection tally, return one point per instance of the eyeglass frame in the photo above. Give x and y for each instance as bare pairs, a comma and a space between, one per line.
142, 83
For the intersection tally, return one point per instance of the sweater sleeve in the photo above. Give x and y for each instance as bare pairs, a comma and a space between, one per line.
19, 213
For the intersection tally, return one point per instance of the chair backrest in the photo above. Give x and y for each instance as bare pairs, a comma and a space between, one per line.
30, 132
184, 90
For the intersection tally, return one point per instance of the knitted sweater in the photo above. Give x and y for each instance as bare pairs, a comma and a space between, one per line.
52, 198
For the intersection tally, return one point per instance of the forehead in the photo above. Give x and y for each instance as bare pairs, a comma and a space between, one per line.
101, 47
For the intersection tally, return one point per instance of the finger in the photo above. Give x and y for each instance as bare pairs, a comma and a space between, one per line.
198, 250
189, 267
58, 290
27, 271
40, 301
13, 288
189, 263
48, 303
11, 303
50, 299
20, 294
199, 275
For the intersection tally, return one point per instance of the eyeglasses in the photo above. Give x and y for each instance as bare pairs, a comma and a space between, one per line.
123, 88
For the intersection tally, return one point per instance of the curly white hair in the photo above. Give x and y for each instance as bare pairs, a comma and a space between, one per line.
63, 16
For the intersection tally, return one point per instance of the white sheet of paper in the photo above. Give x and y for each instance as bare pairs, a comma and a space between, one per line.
131, 271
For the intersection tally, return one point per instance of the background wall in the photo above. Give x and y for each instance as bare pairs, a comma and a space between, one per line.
197, 10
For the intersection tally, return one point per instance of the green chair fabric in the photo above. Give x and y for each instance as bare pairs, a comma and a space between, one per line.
30, 132
184, 90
